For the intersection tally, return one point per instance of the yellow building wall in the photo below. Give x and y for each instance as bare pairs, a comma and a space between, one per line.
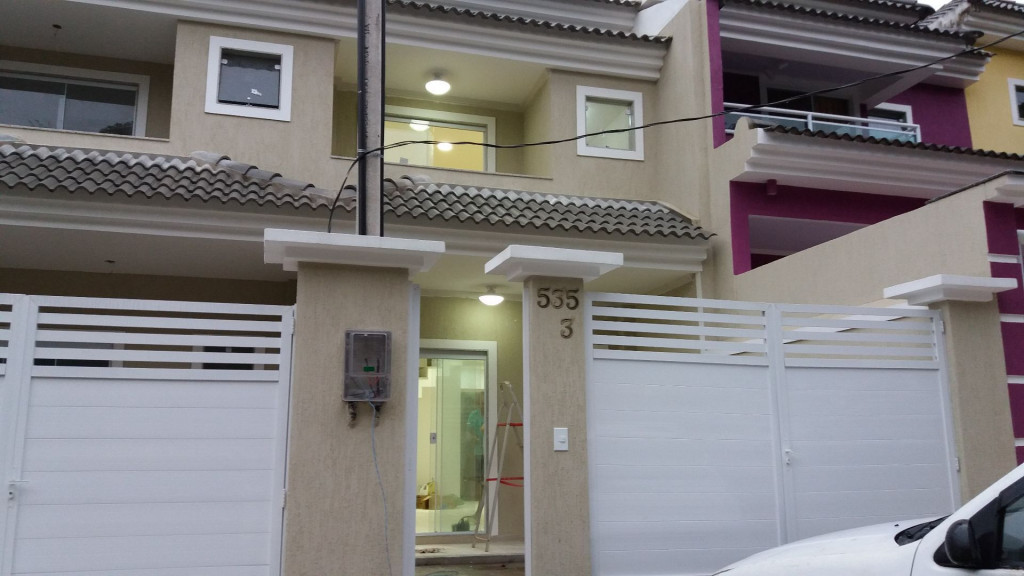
989, 107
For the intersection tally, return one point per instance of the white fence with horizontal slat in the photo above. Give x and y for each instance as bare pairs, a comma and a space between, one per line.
717, 429
142, 437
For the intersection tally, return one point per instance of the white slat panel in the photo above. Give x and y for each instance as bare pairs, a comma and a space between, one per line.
113, 487
261, 570
854, 363
196, 324
173, 306
722, 358
675, 316
142, 519
649, 479
154, 393
675, 301
691, 344
139, 338
126, 553
176, 374
673, 562
164, 356
110, 422
676, 329
896, 338
890, 351
52, 455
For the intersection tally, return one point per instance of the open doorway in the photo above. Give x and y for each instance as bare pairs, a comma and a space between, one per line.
455, 418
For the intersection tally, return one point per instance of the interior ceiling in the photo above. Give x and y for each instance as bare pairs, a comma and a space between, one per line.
88, 29
473, 78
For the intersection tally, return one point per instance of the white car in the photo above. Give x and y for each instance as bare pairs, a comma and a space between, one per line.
983, 537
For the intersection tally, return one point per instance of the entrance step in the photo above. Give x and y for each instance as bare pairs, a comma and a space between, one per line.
451, 554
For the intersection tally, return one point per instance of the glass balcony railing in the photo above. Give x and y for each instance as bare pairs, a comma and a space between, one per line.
833, 123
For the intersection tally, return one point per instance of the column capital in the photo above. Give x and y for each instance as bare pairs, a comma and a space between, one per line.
289, 247
518, 262
943, 287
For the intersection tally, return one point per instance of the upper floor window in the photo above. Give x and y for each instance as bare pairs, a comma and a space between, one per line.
619, 111
403, 124
1017, 101
62, 98
248, 78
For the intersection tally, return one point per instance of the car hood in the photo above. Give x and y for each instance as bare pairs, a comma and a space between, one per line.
867, 551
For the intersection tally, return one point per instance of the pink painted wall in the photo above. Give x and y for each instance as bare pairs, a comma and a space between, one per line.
941, 112
716, 81
1002, 222
750, 199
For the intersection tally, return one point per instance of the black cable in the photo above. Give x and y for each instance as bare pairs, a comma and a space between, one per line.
713, 115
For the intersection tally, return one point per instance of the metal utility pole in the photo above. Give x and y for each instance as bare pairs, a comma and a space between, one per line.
370, 112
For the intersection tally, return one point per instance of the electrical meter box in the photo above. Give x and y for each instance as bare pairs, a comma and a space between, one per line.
367, 366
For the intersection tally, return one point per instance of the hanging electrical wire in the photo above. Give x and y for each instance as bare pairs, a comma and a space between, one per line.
965, 52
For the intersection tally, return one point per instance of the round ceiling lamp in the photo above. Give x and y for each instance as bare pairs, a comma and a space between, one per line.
491, 298
438, 86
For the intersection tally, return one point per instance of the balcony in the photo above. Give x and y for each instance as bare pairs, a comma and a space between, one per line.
816, 121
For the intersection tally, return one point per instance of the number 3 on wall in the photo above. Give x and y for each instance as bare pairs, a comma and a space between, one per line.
557, 298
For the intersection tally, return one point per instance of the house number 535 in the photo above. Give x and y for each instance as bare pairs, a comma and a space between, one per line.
559, 298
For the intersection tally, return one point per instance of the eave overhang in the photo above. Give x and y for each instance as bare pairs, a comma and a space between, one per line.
866, 47
876, 167
570, 47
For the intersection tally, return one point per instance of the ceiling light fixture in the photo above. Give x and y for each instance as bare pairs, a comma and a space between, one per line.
419, 125
437, 86
444, 146
491, 298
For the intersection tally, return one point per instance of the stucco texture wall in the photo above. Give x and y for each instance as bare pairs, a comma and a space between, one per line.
298, 148
468, 319
989, 106
941, 112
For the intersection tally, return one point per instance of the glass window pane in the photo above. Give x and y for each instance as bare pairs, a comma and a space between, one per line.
30, 102
1013, 535
603, 114
102, 109
250, 79
1019, 91
462, 157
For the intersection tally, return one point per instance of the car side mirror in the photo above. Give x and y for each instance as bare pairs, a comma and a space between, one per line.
962, 546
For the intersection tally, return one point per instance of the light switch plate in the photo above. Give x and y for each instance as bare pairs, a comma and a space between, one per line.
561, 439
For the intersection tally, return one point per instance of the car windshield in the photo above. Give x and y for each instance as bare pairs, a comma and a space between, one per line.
915, 533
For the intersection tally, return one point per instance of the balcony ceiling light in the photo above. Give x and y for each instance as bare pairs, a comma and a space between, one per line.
491, 298
438, 86
444, 146
419, 125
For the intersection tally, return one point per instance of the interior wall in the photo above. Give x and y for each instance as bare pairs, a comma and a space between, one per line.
508, 127
158, 112
468, 319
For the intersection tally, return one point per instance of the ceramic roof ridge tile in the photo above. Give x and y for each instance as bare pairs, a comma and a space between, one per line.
896, 143
505, 18
833, 15
918, 7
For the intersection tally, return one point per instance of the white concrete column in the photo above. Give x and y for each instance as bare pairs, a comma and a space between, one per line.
557, 515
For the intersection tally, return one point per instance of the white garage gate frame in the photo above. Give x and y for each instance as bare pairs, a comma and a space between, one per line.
211, 354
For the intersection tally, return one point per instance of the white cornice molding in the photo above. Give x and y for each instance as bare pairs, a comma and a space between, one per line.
292, 247
845, 44
204, 222
595, 14
996, 26
576, 52
808, 161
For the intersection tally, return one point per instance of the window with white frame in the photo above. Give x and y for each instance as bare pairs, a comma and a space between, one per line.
603, 109
402, 124
1017, 101
61, 98
249, 78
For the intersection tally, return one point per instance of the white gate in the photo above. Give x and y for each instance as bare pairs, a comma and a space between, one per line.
142, 437
717, 429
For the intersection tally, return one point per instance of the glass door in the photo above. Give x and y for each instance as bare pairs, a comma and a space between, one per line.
451, 441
